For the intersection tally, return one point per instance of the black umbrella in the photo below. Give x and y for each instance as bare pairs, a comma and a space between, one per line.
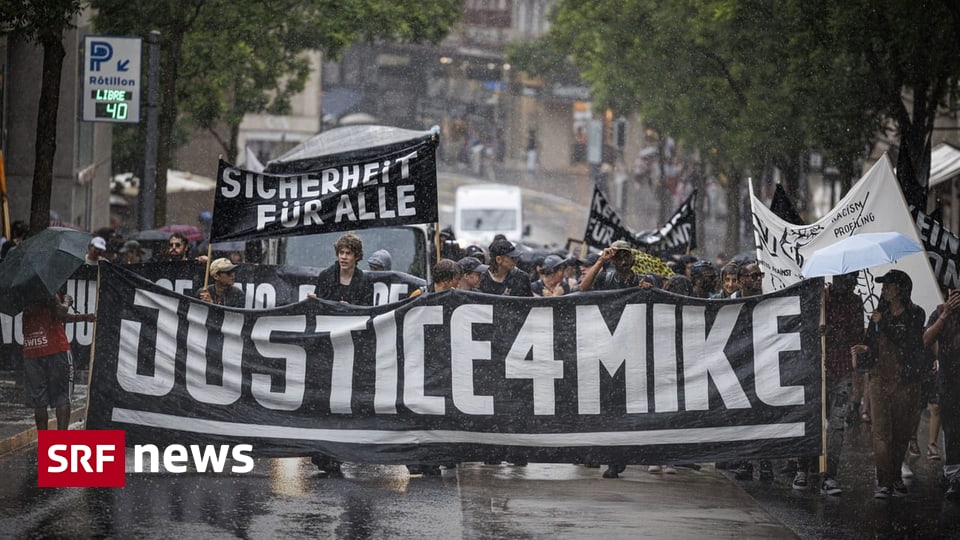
39, 266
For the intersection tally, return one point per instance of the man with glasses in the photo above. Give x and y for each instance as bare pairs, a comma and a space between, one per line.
751, 281
621, 276
751, 284
177, 247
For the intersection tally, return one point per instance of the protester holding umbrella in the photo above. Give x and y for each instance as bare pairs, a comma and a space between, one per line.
47, 360
894, 341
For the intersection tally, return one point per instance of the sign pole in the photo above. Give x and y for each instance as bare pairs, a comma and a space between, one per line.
148, 188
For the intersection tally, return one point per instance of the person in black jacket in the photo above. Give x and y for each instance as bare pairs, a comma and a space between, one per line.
894, 341
343, 282
503, 277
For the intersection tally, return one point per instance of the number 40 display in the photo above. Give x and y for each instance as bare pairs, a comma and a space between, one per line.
111, 103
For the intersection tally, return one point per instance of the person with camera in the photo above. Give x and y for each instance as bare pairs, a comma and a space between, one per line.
893, 348
943, 335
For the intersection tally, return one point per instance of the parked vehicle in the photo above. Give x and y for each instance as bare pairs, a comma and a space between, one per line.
409, 246
482, 211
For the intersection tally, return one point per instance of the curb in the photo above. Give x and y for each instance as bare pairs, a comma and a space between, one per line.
28, 436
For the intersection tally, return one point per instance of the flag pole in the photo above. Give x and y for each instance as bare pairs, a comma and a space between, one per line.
206, 273
823, 382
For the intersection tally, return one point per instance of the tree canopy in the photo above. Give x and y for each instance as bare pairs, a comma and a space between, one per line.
757, 84
222, 59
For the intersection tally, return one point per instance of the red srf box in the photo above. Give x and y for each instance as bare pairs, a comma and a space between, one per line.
81, 458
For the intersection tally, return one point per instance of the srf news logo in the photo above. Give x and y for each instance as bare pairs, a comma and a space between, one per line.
97, 458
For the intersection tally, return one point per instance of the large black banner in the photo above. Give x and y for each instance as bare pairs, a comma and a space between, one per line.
377, 188
677, 236
264, 286
629, 376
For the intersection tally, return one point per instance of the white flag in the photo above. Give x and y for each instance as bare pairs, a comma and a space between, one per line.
874, 204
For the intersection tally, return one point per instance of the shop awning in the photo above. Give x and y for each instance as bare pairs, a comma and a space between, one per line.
944, 163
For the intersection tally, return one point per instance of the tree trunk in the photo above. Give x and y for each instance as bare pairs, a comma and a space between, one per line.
233, 152
46, 141
173, 53
913, 163
913, 158
732, 241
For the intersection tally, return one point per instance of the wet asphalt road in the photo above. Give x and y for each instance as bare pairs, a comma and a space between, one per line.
289, 498
856, 514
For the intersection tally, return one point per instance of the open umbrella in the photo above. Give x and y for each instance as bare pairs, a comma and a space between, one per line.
644, 263
37, 268
858, 252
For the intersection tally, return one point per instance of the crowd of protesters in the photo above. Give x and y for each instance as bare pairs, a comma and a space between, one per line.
881, 375
884, 373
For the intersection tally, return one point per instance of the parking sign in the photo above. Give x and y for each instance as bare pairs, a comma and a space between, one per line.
111, 79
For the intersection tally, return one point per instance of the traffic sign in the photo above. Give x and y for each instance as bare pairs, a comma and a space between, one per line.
111, 79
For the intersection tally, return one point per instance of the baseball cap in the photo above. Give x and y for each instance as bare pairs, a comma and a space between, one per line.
589, 260
621, 244
472, 264
131, 245
473, 250
897, 277
99, 243
504, 247
553, 262
221, 265
652, 279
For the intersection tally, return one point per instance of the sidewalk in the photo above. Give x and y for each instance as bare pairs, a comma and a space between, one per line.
17, 426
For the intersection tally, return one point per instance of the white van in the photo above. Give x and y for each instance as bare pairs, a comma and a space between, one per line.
482, 211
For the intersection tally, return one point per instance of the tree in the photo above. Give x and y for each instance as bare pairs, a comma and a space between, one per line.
43, 22
910, 56
757, 85
222, 59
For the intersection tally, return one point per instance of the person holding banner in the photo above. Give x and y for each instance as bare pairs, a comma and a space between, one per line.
503, 277
222, 291
729, 280
552, 280
704, 277
943, 334
894, 342
343, 282
446, 276
751, 284
472, 272
843, 328
621, 276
